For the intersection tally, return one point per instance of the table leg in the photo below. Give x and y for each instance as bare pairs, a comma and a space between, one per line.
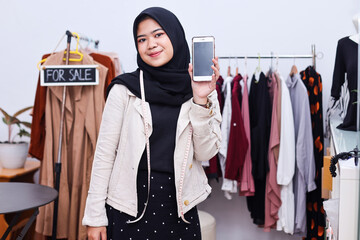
12, 223
28, 224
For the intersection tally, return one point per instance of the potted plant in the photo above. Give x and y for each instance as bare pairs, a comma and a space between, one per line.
13, 153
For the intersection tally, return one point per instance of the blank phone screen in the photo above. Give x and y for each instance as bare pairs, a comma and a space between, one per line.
203, 55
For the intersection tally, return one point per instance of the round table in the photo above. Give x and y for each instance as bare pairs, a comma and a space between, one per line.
17, 197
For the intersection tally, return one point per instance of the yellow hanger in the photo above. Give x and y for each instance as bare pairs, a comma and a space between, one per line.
258, 68
76, 51
71, 52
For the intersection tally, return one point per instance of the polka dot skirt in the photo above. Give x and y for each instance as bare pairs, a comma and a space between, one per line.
160, 220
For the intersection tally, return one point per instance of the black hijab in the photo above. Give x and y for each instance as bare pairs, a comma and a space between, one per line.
169, 84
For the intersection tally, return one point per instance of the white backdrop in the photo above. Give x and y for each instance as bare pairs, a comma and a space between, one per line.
28, 29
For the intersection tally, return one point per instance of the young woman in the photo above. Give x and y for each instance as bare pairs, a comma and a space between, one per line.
147, 176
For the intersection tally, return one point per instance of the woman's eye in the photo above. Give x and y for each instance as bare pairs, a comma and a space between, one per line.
159, 34
141, 40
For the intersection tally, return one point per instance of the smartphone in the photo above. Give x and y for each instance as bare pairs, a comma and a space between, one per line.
203, 51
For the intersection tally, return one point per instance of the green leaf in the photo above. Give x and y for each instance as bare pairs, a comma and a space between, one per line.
26, 124
6, 115
21, 111
23, 132
14, 120
11, 120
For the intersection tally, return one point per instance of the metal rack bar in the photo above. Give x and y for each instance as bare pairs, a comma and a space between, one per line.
88, 39
268, 56
272, 56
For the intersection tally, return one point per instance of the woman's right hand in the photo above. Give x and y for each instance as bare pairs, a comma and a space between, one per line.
96, 233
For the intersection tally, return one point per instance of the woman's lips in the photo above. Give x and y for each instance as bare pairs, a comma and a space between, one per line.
155, 54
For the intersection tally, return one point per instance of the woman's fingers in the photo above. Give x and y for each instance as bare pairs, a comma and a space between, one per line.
216, 69
190, 70
103, 235
96, 233
216, 62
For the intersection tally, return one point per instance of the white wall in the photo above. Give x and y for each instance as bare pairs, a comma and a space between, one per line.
29, 29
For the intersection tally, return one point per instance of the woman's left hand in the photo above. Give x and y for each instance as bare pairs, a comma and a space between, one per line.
201, 89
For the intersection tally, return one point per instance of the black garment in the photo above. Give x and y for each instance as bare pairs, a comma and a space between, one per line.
314, 211
221, 97
169, 84
260, 124
346, 62
160, 220
162, 139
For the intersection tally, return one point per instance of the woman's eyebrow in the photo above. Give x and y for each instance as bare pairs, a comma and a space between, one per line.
143, 35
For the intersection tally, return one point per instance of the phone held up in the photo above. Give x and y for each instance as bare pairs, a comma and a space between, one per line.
203, 51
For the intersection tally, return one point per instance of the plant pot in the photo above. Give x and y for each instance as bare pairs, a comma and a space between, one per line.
13, 155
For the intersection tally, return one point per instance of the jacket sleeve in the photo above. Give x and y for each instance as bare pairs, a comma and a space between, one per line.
206, 128
105, 153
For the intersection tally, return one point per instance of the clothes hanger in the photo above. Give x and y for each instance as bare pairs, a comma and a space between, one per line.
76, 52
229, 69
245, 63
237, 67
271, 68
294, 70
89, 40
257, 70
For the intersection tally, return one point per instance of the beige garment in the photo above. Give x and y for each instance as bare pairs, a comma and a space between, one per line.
83, 112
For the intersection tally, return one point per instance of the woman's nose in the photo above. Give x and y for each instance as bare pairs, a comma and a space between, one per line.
152, 43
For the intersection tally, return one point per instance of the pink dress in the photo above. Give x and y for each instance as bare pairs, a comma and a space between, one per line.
272, 192
247, 186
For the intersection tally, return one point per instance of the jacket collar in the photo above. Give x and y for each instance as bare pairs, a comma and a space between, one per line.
138, 107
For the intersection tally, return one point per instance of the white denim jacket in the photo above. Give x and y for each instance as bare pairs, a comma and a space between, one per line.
121, 143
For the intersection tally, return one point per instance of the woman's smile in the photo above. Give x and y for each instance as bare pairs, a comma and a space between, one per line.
155, 54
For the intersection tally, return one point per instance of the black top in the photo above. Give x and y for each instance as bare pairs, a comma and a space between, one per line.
313, 84
315, 219
346, 62
260, 124
162, 139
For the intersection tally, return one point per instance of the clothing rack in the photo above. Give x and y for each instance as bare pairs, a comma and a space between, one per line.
89, 40
314, 55
57, 167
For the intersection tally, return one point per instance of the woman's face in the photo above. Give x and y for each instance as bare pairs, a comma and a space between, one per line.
154, 45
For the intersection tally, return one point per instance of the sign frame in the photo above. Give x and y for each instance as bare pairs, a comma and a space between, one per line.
67, 82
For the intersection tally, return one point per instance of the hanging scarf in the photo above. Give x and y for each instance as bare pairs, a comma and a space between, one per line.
169, 84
